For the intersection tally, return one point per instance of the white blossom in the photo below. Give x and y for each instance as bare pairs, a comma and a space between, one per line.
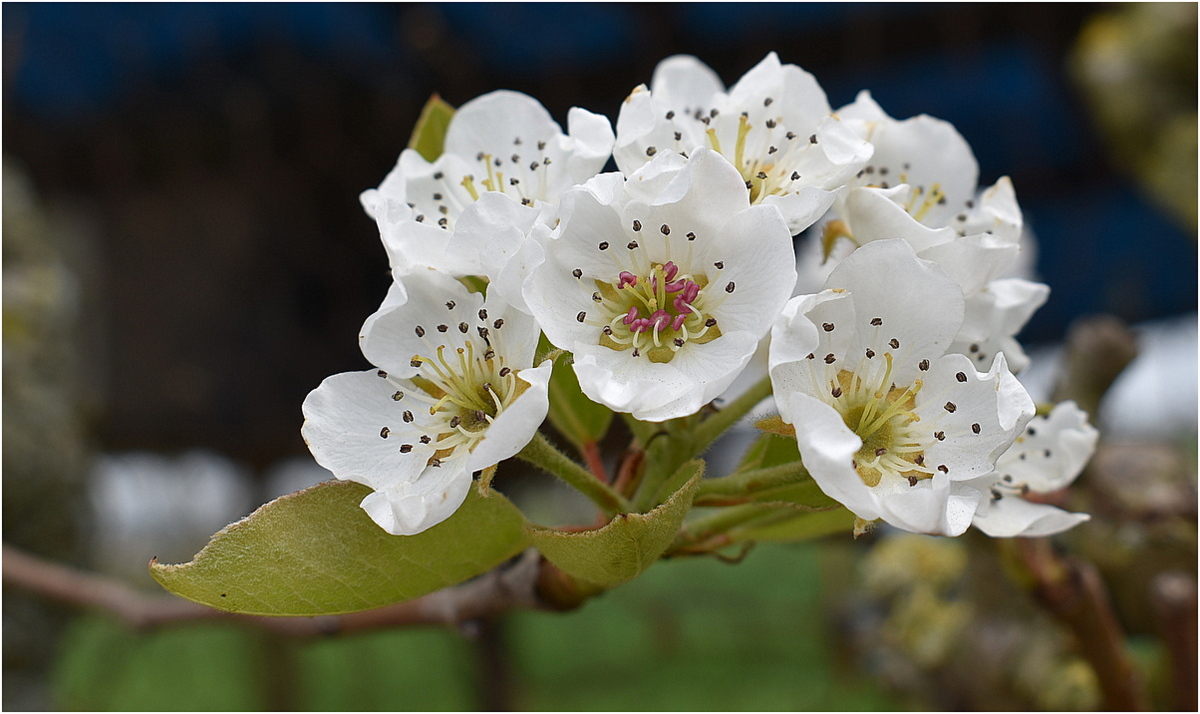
502, 146
455, 392
886, 421
661, 285
1046, 458
774, 125
920, 186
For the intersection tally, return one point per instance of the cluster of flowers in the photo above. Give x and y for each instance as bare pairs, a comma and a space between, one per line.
664, 278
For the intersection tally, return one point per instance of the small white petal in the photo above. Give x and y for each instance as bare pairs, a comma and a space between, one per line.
408, 508
1011, 516
344, 425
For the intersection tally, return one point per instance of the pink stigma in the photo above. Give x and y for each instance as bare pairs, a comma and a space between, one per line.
670, 270
631, 316
627, 278
678, 321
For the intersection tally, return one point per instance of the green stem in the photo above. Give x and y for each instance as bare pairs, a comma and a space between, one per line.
718, 423
721, 521
541, 453
745, 482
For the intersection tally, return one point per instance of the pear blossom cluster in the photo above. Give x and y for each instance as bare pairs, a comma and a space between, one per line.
889, 337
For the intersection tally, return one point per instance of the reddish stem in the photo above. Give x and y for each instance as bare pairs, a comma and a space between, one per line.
629, 471
591, 456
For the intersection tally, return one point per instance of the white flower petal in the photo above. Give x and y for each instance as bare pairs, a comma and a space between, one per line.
711, 371
491, 122
827, 447
407, 508
1052, 451
684, 81
979, 414
1011, 517
344, 426
490, 231
916, 304
593, 139
637, 389
419, 305
921, 151
704, 191
877, 214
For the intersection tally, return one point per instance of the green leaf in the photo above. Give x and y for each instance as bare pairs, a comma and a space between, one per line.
624, 547
769, 450
315, 552
430, 132
576, 417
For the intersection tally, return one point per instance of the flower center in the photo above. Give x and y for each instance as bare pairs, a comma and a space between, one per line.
464, 394
522, 175
770, 170
883, 415
655, 313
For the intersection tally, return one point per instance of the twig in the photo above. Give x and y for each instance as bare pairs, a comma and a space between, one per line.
1071, 589
1174, 596
497, 591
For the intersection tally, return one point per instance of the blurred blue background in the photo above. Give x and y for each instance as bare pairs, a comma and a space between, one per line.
222, 146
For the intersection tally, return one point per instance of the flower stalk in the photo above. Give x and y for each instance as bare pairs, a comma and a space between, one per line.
541, 453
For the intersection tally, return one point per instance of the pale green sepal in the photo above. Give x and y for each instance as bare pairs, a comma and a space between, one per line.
315, 552
429, 135
624, 547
